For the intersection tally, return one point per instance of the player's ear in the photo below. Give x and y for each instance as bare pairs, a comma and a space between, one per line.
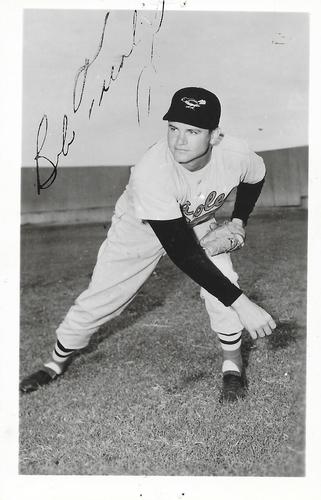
215, 135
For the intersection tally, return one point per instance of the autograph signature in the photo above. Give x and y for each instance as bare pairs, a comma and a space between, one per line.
78, 93
83, 70
43, 130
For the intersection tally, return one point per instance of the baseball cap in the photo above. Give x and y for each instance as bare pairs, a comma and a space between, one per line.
195, 106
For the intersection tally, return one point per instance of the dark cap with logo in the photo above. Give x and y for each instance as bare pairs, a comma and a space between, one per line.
195, 106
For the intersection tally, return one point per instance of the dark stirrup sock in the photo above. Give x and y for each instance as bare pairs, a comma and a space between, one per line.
60, 356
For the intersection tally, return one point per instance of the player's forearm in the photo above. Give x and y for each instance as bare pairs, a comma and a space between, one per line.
184, 250
246, 198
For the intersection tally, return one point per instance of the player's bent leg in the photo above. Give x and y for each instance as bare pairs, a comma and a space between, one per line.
226, 324
228, 329
125, 261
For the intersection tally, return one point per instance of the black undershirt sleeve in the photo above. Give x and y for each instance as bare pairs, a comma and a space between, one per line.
182, 247
246, 197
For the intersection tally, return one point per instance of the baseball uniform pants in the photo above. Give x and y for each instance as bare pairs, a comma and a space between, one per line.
125, 261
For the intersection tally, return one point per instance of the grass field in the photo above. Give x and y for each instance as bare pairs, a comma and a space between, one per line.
142, 399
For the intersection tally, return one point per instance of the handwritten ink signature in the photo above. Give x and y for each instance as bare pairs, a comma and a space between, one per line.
78, 93
43, 130
83, 70
151, 65
113, 76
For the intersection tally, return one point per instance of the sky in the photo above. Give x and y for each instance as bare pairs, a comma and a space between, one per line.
256, 62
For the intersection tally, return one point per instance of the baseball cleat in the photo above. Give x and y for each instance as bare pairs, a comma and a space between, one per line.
37, 379
233, 388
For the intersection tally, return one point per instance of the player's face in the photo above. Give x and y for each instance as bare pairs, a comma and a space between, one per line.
190, 146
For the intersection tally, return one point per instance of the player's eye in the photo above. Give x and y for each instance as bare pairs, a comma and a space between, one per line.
193, 132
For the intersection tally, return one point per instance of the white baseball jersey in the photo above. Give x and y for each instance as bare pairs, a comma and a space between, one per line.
162, 189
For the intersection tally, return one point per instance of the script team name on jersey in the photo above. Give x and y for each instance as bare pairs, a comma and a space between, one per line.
204, 211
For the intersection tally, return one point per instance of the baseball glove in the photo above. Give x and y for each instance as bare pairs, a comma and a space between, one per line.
222, 238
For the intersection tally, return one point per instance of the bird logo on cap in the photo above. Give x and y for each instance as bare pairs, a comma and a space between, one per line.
192, 103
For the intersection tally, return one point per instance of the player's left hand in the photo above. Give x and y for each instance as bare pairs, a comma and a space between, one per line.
225, 237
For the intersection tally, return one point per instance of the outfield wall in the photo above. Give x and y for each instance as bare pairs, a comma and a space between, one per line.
88, 194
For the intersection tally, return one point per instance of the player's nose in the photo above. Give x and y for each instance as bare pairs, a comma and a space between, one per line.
181, 139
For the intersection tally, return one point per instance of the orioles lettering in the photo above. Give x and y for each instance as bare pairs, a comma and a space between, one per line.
212, 200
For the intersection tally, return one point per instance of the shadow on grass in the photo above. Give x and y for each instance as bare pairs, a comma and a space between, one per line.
193, 378
248, 345
187, 381
287, 333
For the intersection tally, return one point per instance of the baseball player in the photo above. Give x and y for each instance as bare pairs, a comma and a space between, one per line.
168, 207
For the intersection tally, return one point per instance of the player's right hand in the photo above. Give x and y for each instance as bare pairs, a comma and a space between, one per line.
254, 318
